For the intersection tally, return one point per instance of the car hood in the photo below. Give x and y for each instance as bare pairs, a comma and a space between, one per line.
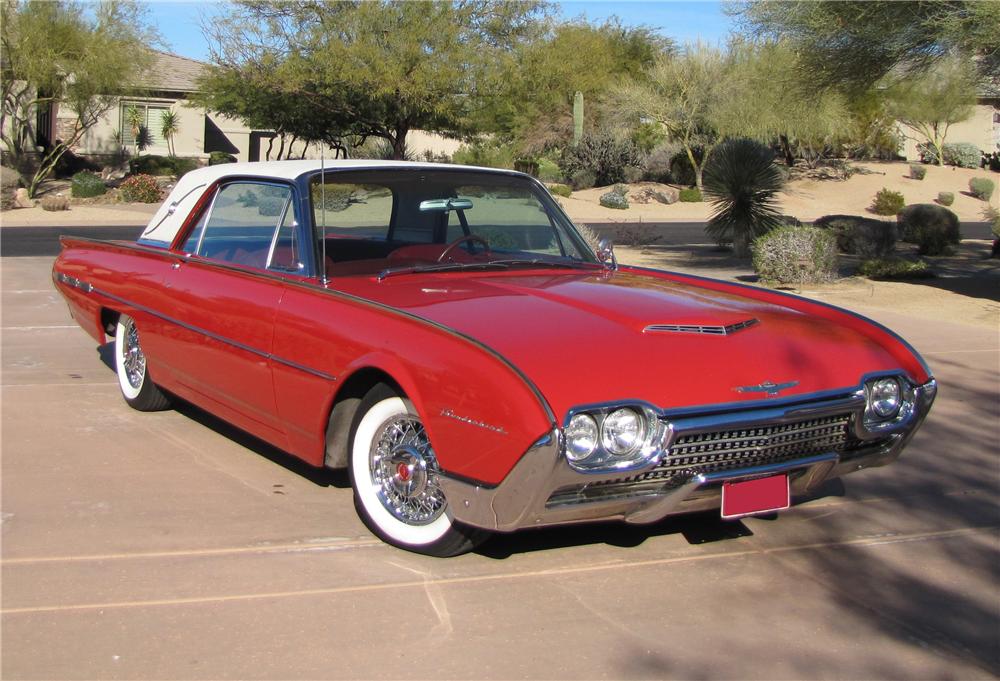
612, 336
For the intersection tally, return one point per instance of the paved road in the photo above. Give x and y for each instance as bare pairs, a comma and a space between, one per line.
34, 241
169, 545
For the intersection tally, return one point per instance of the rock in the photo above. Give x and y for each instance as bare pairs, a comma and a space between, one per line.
113, 173
21, 199
662, 194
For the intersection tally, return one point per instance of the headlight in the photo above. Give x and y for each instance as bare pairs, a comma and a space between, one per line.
581, 437
885, 397
623, 432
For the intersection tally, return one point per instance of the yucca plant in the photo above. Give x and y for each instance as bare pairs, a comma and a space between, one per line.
741, 181
169, 126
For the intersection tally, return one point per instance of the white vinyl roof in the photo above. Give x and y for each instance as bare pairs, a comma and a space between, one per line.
190, 187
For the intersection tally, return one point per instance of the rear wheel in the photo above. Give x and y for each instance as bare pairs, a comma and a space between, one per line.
137, 388
395, 477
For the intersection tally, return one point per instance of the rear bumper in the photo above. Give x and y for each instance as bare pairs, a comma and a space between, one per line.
543, 489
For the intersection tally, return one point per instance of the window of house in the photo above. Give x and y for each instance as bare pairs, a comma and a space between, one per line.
150, 119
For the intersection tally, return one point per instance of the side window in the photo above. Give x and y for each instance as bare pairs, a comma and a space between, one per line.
245, 224
285, 252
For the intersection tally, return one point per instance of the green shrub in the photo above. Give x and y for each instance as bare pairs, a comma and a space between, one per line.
917, 171
161, 165
270, 205
140, 189
790, 255
681, 171
894, 268
220, 157
616, 198
85, 184
992, 216
486, 154
690, 195
741, 181
963, 155
605, 154
54, 203
563, 190
548, 170
946, 198
982, 188
582, 179
528, 166
657, 163
933, 228
861, 236
888, 202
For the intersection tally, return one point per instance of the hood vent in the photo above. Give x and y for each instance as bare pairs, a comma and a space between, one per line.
702, 329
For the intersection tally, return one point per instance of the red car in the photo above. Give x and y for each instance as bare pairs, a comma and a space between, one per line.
449, 337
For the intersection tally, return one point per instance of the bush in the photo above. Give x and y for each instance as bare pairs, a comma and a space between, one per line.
604, 154
220, 157
528, 166
933, 228
927, 152
161, 165
140, 189
690, 195
548, 170
54, 203
946, 198
486, 154
963, 155
657, 165
917, 171
982, 188
795, 255
84, 185
862, 236
742, 180
582, 179
894, 268
270, 205
563, 190
616, 198
992, 216
888, 202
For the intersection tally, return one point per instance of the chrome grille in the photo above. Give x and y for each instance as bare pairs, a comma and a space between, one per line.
751, 446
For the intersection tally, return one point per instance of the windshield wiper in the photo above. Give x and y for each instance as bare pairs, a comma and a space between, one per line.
540, 262
442, 267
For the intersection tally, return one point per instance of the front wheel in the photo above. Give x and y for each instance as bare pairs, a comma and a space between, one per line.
395, 477
137, 388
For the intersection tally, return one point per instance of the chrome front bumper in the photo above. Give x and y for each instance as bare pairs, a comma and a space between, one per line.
533, 493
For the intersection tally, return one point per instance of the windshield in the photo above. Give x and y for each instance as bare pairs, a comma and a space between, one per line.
412, 216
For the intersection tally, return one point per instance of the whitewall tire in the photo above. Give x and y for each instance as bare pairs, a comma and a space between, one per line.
137, 388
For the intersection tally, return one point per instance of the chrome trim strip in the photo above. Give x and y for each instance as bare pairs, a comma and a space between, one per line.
170, 211
702, 329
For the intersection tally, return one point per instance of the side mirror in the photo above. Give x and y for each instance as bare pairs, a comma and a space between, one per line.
606, 253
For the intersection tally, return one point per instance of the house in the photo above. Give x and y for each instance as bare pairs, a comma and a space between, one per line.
981, 129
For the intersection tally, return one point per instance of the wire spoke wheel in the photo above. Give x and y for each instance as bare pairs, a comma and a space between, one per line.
135, 360
404, 470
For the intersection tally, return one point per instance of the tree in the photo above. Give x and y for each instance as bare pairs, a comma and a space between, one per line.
932, 101
169, 126
855, 44
685, 94
136, 121
70, 55
380, 68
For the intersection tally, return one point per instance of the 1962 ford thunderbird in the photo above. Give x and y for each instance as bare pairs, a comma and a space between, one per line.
447, 335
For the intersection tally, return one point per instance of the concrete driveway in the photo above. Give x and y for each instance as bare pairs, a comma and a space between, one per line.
171, 546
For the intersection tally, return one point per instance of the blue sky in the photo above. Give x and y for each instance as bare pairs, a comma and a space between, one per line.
179, 22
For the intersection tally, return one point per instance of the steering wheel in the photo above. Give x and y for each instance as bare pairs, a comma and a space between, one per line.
461, 240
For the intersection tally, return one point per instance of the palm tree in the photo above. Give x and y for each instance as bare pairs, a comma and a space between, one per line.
169, 126
741, 181
136, 121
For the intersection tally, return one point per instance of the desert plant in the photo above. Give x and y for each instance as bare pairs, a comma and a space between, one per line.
135, 119
637, 235
548, 170
270, 205
161, 165
604, 153
790, 255
219, 157
592, 238
86, 184
54, 203
962, 154
616, 198
917, 171
169, 126
485, 154
563, 190
888, 202
861, 236
982, 188
946, 198
894, 268
992, 216
689, 195
577, 117
528, 166
582, 179
741, 180
934, 229
140, 189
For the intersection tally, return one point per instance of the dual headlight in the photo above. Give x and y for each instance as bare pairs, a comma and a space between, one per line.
888, 400
612, 438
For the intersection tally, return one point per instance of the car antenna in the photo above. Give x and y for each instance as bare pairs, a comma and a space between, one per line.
322, 209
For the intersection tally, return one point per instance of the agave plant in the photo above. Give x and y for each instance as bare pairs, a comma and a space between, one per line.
741, 181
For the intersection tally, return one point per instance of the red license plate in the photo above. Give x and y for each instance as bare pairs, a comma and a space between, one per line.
751, 497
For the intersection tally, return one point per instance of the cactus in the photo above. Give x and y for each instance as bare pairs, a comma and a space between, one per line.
577, 117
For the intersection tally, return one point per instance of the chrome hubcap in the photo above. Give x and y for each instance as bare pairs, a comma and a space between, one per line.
134, 360
404, 471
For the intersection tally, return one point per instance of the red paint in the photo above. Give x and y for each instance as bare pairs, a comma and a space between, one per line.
750, 497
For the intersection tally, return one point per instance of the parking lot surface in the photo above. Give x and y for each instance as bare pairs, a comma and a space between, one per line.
170, 545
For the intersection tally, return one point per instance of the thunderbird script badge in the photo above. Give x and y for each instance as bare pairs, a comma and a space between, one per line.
768, 387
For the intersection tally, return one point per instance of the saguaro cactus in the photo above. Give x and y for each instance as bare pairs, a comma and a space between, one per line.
577, 117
